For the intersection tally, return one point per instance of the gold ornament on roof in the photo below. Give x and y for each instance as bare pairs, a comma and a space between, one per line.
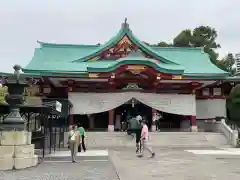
177, 77
136, 69
94, 58
93, 75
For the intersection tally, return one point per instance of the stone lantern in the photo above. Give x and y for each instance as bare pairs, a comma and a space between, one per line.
16, 150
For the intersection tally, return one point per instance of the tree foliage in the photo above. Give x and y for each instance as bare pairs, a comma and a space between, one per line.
163, 44
233, 105
228, 61
183, 39
204, 37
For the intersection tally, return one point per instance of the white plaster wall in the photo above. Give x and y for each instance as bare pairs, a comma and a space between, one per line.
210, 108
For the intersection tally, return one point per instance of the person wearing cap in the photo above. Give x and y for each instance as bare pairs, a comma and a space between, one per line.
145, 139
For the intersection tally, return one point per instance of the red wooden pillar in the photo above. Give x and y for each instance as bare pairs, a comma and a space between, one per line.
111, 120
193, 123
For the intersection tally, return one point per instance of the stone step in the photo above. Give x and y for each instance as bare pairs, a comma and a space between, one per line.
103, 140
89, 155
157, 139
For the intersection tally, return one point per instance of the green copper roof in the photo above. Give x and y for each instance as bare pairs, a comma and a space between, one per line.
194, 60
64, 58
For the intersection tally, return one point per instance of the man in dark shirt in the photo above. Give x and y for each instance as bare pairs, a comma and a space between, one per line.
135, 127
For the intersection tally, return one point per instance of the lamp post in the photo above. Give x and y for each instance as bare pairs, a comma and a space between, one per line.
14, 98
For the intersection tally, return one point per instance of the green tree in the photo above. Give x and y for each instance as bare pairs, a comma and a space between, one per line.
163, 44
228, 61
233, 105
183, 39
202, 36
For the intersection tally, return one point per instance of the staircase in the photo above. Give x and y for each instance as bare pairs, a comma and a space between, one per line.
158, 139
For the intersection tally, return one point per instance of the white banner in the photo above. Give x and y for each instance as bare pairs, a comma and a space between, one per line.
170, 103
210, 108
91, 103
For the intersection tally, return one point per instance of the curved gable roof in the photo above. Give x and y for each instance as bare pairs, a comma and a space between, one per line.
125, 31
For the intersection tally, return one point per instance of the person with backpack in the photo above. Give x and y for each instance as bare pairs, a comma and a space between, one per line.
135, 128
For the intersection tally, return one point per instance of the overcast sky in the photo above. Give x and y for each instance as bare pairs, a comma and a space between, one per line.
24, 22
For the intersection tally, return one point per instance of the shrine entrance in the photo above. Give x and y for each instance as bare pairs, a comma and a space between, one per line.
170, 122
110, 110
131, 109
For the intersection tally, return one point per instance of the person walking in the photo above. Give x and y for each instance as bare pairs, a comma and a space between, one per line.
138, 129
82, 133
131, 126
158, 118
72, 142
145, 140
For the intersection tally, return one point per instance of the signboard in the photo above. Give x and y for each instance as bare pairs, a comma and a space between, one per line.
58, 106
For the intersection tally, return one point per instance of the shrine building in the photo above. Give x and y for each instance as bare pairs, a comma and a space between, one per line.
107, 83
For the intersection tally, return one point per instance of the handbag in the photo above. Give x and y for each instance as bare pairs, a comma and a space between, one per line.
71, 138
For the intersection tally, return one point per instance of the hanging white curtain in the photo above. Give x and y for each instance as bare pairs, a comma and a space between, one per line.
169, 103
90, 103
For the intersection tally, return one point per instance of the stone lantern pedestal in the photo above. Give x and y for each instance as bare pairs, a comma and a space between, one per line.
16, 150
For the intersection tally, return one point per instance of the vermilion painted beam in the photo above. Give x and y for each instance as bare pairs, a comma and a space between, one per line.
123, 68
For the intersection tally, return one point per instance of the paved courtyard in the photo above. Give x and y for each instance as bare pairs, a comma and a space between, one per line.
84, 170
169, 164
172, 164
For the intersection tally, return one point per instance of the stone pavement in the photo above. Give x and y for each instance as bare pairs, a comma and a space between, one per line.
84, 170
91, 165
172, 164
169, 164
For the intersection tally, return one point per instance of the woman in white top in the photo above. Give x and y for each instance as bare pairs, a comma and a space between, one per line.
72, 140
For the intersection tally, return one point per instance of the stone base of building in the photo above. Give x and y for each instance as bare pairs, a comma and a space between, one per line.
16, 150
194, 129
110, 128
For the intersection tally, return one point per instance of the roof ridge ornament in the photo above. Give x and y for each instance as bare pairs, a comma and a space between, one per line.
125, 25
